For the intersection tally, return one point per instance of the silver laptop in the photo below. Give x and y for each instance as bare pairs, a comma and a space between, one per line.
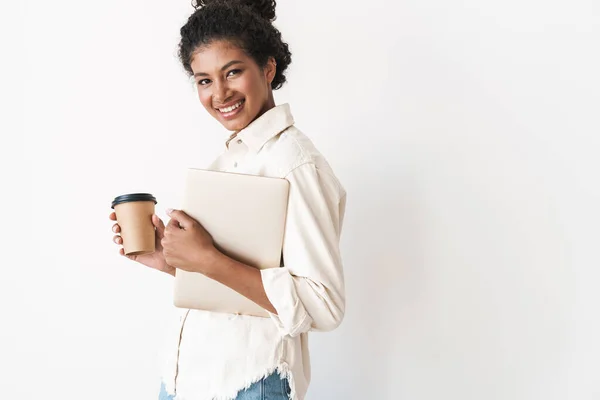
245, 215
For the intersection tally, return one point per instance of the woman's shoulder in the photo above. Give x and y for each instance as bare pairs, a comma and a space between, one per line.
293, 148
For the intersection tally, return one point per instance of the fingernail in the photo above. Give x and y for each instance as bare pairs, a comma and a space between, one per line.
169, 211
114, 229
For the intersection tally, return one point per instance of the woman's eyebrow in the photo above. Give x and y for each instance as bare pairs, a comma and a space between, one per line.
224, 67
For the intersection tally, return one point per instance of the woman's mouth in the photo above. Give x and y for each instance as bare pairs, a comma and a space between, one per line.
231, 111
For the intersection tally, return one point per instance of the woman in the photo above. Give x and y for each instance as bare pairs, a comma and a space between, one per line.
237, 58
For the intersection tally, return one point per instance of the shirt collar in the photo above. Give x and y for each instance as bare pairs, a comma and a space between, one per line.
265, 127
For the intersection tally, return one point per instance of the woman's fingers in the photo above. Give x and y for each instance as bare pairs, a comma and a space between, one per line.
160, 226
117, 238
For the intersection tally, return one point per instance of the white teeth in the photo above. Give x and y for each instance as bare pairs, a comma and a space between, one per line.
231, 108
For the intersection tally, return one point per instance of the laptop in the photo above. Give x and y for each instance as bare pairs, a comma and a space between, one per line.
245, 215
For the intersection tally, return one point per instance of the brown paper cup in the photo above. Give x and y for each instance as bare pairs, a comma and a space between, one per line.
134, 216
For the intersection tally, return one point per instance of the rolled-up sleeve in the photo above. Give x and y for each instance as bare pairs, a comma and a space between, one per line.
308, 290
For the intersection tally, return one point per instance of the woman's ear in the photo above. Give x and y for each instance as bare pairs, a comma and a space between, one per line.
270, 70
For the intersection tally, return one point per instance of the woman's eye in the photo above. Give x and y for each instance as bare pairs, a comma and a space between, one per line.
233, 72
203, 82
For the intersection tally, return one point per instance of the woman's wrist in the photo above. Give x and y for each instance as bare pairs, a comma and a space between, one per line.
210, 262
164, 266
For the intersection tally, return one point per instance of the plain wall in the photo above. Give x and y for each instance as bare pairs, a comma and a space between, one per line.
466, 135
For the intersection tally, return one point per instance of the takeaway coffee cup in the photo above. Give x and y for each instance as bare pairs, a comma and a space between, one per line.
134, 216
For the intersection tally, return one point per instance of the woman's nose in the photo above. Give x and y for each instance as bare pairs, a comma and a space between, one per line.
221, 93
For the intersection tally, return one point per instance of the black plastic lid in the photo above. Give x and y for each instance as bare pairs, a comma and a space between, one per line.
126, 198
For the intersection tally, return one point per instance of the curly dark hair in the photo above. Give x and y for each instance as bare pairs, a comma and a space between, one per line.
246, 23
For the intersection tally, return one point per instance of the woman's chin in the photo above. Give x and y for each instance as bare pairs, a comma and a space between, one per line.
235, 124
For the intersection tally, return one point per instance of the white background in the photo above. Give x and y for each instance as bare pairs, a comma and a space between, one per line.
466, 135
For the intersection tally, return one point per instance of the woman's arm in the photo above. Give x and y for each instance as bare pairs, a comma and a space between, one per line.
188, 246
308, 291
243, 278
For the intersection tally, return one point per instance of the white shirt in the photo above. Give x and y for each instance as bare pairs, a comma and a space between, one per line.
214, 355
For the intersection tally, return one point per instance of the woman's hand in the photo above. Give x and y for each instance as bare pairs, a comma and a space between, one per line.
187, 245
154, 260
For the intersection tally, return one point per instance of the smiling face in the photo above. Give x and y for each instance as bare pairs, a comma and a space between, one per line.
232, 87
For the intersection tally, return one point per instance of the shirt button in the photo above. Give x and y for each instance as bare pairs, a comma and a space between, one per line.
239, 141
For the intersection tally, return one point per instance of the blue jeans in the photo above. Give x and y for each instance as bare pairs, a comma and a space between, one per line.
271, 387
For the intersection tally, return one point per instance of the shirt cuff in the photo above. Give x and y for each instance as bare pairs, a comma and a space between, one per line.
291, 318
